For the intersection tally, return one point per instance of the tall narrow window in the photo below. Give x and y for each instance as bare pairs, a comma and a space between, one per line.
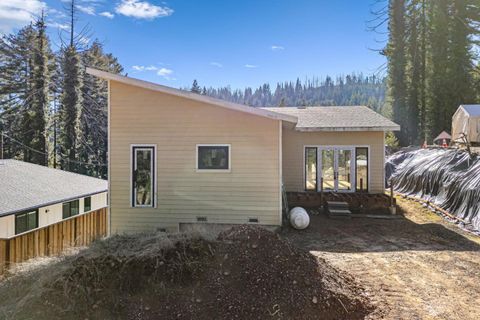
361, 169
310, 168
213, 157
87, 204
143, 176
26, 221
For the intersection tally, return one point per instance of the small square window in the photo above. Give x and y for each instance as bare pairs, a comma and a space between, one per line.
213, 157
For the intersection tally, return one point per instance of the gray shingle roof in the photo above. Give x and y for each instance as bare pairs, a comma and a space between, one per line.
26, 186
338, 118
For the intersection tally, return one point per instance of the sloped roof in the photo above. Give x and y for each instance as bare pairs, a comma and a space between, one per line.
338, 118
191, 95
443, 135
27, 186
471, 109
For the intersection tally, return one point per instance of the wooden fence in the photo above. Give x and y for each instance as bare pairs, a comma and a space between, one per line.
53, 239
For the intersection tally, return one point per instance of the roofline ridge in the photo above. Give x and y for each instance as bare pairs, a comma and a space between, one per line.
190, 95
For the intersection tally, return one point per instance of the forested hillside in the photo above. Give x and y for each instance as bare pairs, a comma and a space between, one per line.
353, 89
433, 64
51, 111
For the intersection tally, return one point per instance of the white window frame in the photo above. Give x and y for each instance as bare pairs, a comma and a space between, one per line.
354, 156
214, 145
153, 174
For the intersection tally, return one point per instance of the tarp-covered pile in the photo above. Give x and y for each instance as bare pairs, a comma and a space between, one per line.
448, 178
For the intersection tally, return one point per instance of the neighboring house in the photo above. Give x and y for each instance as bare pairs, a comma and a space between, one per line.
43, 211
177, 158
466, 123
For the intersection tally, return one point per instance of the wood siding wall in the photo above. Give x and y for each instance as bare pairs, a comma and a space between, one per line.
53, 239
293, 154
176, 125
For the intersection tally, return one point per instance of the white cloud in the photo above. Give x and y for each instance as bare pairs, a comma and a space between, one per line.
90, 10
142, 9
54, 24
107, 14
166, 73
251, 66
144, 68
17, 13
277, 48
216, 64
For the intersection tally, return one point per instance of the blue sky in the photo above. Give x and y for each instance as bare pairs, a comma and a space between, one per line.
221, 42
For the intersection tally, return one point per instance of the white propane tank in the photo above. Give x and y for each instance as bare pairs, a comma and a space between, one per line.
299, 218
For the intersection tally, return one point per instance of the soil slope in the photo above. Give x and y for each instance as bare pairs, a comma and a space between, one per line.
247, 273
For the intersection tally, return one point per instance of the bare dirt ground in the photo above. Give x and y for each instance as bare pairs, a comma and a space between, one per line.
415, 267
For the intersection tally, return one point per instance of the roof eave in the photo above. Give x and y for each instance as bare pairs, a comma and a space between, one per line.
190, 95
356, 129
50, 203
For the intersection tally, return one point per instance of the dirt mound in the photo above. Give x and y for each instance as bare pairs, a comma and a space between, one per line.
247, 273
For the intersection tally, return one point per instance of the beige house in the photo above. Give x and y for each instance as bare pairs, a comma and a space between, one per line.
178, 158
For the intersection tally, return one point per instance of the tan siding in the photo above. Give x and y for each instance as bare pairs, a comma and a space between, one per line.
176, 125
293, 161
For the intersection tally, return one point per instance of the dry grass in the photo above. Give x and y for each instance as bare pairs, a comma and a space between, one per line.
50, 288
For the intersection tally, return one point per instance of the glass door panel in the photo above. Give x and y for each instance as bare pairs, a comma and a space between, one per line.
327, 156
344, 176
311, 168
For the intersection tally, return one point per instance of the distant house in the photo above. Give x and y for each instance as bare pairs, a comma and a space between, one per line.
44, 210
466, 123
178, 158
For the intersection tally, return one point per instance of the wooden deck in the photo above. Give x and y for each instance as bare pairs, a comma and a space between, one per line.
80, 230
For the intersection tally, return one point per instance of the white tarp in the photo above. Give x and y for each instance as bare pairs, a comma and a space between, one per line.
466, 120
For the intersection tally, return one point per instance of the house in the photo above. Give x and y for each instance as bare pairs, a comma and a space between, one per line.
178, 158
43, 210
466, 124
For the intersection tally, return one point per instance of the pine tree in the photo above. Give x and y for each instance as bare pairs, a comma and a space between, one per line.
24, 77
71, 99
437, 76
413, 71
460, 61
70, 108
41, 81
195, 87
93, 120
395, 52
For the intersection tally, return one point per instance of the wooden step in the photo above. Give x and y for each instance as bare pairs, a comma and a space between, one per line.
339, 210
337, 203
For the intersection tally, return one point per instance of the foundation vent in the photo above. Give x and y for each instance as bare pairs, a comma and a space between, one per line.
253, 220
201, 219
